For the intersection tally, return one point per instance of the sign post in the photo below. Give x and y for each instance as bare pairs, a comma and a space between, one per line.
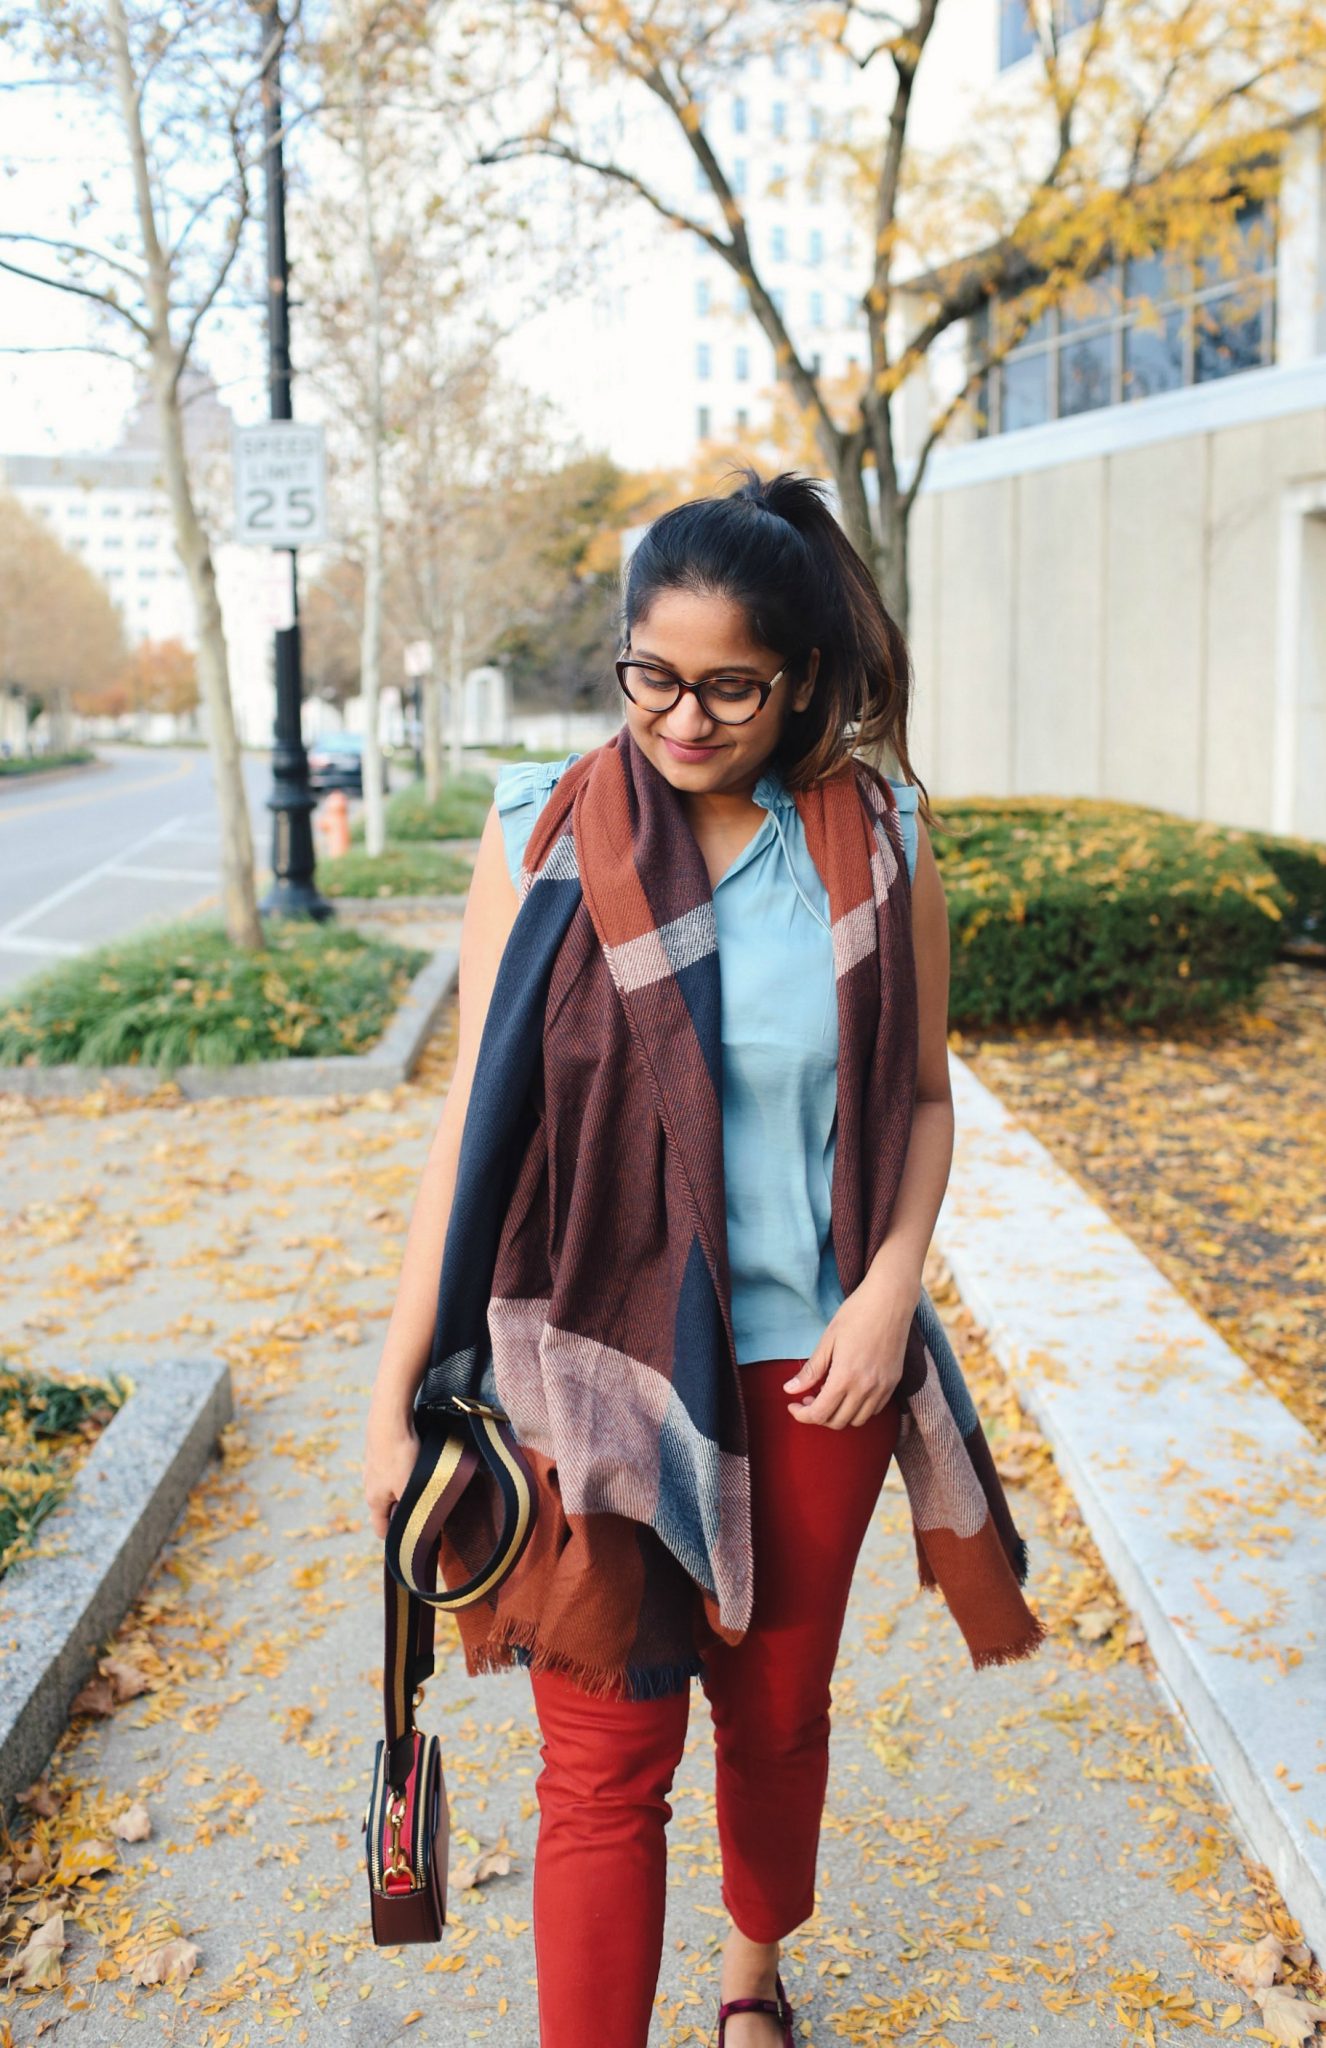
281, 502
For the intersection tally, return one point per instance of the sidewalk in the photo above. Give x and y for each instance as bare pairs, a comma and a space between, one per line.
1012, 1857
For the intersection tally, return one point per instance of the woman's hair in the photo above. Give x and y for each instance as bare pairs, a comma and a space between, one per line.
775, 548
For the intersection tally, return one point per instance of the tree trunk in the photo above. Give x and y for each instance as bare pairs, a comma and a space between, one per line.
433, 688
457, 688
370, 646
238, 894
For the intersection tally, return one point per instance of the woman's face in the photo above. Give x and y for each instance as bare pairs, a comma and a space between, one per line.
696, 637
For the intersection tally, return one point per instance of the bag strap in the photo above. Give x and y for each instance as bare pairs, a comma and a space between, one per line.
457, 1444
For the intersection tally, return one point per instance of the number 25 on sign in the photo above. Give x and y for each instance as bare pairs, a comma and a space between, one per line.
280, 485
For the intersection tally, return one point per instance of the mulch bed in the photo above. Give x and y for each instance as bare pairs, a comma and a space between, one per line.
1208, 1146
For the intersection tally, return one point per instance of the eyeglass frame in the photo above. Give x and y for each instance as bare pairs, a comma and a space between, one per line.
765, 690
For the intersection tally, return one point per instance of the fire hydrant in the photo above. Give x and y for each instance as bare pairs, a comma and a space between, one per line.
335, 822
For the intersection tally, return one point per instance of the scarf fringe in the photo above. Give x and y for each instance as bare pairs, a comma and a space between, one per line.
516, 1641
1012, 1653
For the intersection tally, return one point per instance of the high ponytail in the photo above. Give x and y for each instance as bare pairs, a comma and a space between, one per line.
775, 548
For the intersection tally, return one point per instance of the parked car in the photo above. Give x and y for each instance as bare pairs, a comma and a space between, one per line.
336, 761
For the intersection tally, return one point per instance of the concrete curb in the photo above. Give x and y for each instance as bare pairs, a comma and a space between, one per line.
392, 1060
58, 1606
1206, 1497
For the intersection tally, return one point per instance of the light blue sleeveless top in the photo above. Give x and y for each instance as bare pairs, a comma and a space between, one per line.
779, 1027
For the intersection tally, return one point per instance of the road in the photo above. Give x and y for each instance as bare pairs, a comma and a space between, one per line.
94, 855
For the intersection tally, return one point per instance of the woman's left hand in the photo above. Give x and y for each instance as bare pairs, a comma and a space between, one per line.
853, 1370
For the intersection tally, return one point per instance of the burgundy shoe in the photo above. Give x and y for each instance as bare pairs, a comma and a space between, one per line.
780, 2009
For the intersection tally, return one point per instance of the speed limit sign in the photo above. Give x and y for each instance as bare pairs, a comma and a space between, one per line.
280, 485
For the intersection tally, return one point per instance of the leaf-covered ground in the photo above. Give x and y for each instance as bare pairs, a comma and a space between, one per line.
1209, 1148
1026, 1855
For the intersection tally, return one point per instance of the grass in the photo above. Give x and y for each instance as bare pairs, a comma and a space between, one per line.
409, 870
458, 813
47, 1427
183, 993
17, 765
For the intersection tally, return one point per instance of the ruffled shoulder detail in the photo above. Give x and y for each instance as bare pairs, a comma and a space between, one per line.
521, 782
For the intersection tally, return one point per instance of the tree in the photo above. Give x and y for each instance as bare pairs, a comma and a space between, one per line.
60, 635
1145, 131
179, 82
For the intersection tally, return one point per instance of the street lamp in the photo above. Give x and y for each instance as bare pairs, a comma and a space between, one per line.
293, 892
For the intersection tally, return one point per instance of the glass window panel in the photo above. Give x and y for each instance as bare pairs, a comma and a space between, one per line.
1086, 372
1094, 299
1025, 391
1009, 317
1226, 337
702, 422
1017, 38
1156, 277
1153, 361
1245, 244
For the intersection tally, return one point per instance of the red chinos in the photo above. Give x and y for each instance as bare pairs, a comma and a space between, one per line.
608, 1764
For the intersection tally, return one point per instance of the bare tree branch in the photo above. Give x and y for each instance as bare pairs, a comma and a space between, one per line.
82, 291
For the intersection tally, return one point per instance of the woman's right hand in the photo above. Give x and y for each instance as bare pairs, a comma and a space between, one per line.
391, 1447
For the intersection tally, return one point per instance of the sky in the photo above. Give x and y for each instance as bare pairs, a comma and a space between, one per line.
53, 398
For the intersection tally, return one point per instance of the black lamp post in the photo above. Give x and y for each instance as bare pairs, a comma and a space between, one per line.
293, 892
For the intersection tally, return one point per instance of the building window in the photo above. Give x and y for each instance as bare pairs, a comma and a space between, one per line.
111, 511
815, 123
779, 299
1154, 323
815, 61
702, 296
742, 419
779, 61
743, 365
815, 362
701, 177
702, 423
778, 243
817, 309
815, 185
741, 299
851, 310
778, 112
1017, 36
816, 246
702, 359
739, 116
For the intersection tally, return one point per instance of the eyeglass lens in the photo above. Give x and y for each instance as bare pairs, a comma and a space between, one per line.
729, 699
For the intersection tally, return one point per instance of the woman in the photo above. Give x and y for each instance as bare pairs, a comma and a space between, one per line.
694, 1521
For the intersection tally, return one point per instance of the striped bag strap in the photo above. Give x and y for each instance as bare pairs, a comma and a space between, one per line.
458, 1444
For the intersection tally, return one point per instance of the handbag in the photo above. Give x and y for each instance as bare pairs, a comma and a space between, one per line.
462, 1442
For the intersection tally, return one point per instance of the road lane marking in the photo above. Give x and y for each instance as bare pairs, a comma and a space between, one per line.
103, 867
68, 803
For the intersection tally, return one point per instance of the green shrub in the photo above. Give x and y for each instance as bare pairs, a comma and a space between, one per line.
411, 870
183, 994
38, 764
1299, 865
1080, 906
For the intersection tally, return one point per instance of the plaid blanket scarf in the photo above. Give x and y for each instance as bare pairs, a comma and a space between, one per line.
585, 1283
